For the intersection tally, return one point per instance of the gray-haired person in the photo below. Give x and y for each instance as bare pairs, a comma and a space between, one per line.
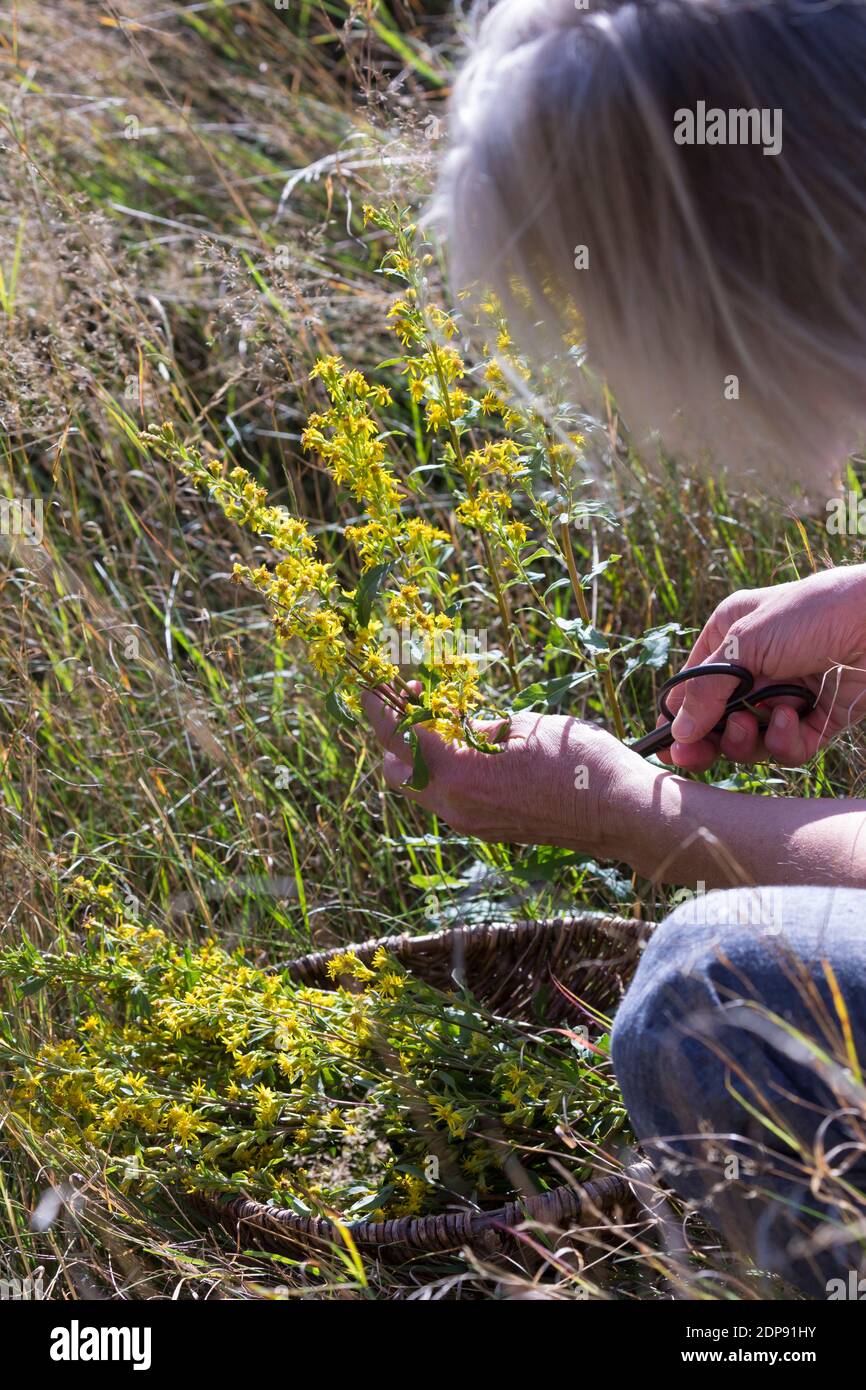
708, 157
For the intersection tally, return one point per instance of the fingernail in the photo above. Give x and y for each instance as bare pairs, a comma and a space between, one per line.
783, 718
736, 732
683, 726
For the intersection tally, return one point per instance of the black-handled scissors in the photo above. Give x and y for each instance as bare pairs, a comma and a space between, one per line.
744, 697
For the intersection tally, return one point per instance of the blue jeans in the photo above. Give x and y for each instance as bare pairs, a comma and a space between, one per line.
734, 1054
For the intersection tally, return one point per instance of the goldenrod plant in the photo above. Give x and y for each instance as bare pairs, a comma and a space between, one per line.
194, 1069
509, 479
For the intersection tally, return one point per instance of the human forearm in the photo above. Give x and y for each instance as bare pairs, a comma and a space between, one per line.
561, 782
685, 832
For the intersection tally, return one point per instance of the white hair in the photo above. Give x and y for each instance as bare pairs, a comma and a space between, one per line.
720, 287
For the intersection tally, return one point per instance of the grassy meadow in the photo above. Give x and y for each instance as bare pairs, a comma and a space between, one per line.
181, 239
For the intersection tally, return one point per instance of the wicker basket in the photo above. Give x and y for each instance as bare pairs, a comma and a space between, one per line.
513, 969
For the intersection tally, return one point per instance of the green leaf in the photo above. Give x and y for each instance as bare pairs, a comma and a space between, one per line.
564, 582
338, 709
369, 588
616, 883
552, 692
139, 1001
530, 695
546, 862
420, 772
589, 637
653, 648
542, 554
371, 1201
482, 743
415, 716
33, 985
601, 568
433, 881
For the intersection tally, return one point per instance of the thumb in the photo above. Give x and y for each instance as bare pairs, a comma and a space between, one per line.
703, 702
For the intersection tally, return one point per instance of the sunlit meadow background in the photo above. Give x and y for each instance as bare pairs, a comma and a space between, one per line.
180, 238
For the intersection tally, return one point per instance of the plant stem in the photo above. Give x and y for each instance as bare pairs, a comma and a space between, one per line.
489, 559
600, 663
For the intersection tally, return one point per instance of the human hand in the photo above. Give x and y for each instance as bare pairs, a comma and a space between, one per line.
812, 631
557, 781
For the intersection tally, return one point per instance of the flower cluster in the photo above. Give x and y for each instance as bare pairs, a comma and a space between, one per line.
301, 588
193, 1068
451, 521
343, 637
349, 443
438, 377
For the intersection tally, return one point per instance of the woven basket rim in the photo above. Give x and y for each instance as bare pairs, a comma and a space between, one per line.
443, 1231
407, 944
423, 1234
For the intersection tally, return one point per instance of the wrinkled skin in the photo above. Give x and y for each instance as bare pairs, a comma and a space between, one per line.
557, 780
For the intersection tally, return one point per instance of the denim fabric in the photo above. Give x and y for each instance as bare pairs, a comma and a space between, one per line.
701, 1065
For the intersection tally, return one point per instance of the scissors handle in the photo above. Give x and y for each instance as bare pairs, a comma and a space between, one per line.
744, 697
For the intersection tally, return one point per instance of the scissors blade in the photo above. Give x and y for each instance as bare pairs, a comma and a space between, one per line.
660, 738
